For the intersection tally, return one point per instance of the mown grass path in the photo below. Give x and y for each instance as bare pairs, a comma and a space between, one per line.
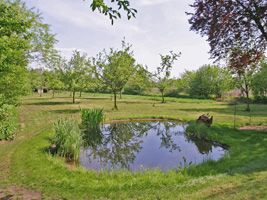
240, 175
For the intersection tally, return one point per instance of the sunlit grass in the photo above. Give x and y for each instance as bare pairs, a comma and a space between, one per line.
240, 175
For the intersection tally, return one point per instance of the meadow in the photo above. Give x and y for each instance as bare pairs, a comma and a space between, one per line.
242, 174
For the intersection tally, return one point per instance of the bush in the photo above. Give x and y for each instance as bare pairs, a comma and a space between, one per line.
198, 130
8, 122
67, 139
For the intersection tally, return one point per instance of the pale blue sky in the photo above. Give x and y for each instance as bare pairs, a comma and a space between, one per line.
160, 26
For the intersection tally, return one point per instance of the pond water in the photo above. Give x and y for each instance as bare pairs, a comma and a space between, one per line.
146, 145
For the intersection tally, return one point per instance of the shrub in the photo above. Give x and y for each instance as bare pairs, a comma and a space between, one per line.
67, 139
196, 129
8, 122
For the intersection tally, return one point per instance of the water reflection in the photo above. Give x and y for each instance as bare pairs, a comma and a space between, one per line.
145, 145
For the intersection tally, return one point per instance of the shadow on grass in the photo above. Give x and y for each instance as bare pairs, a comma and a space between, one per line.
52, 103
66, 111
95, 98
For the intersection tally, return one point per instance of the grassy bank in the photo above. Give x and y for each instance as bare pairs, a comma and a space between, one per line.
240, 175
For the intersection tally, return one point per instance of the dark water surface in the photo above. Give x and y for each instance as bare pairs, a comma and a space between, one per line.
146, 145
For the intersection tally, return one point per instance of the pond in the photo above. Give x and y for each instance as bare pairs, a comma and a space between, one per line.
146, 145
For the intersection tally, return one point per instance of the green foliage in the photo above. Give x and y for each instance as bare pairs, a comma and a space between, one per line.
163, 72
75, 71
8, 122
114, 69
198, 130
210, 81
53, 80
23, 37
139, 82
114, 13
67, 139
259, 83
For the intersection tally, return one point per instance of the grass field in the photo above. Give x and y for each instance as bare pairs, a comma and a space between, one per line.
242, 174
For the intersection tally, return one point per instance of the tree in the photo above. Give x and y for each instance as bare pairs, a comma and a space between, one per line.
53, 81
184, 82
139, 81
73, 71
112, 12
163, 72
243, 64
210, 80
259, 82
115, 68
37, 79
23, 36
231, 23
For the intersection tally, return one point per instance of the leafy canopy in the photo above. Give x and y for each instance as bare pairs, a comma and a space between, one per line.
231, 23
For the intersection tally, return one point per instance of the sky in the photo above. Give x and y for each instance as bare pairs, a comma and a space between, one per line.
159, 27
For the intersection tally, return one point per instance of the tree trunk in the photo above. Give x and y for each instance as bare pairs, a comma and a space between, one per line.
53, 93
80, 93
247, 97
73, 96
162, 96
115, 101
120, 94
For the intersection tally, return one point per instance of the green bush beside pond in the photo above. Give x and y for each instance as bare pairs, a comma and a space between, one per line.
8, 122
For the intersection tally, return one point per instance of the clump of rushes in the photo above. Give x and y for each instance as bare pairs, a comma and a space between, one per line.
67, 140
91, 119
198, 130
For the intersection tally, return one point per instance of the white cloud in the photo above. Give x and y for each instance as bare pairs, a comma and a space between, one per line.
160, 26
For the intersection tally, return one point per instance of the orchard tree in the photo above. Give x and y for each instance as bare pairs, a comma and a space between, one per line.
230, 24
243, 65
113, 12
73, 71
162, 75
114, 68
53, 81
139, 82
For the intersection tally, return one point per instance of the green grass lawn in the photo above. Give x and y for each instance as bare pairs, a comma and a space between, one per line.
242, 174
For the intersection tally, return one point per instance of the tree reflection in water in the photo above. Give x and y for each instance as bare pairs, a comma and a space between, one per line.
116, 146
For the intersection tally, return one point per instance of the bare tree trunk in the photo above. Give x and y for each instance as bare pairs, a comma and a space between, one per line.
80, 93
162, 96
115, 101
73, 96
247, 98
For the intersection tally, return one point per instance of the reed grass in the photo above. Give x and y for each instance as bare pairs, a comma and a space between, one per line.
67, 139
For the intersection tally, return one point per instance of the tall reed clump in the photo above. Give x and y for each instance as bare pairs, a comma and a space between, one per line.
91, 120
67, 140
198, 130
